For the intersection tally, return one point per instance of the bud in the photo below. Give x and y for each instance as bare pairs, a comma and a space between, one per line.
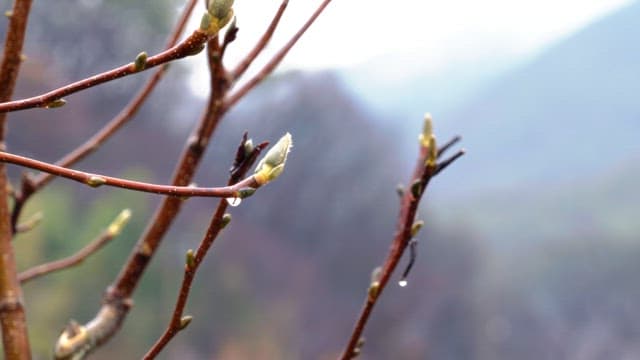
415, 228
427, 130
272, 164
226, 219
432, 157
246, 192
217, 16
95, 181
416, 188
119, 222
56, 103
190, 259
185, 321
248, 147
141, 62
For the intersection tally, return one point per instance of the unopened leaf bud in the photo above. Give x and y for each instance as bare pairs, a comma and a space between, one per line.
95, 181
416, 188
185, 321
415, 228
427, 130
272, 164
141, 62
56, 103
226, 219
119, 222
190, 259
246, 192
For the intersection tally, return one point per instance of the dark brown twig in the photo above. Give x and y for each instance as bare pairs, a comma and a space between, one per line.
244, 64
13, 321
94, 180
190, 46
107, 235
218, 222
275, 61
423, 173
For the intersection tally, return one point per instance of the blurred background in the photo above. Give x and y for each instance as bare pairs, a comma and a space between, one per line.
532, 240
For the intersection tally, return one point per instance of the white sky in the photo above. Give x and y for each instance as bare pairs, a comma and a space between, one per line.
435, 32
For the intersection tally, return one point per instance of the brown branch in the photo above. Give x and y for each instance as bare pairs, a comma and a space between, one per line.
244, 64
107, 235
190, 46
12, 315
239, 190
117, 299
218, 222
93, 143
423, 173
233, 98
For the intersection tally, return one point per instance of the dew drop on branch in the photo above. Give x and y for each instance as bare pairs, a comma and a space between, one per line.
234, 201
403, 283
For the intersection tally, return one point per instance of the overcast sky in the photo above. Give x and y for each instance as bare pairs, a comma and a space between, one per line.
435, 32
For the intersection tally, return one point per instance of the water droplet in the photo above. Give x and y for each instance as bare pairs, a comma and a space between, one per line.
234, 201
403, 283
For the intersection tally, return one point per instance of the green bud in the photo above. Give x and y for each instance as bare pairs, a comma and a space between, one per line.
205, 22
226, 219
416, 188
246, 192
415, 228
427, 130
220, 9
400, 190
432, 157
119, 222
141, 62
56, 103
272, 164
185, 321
95, 181
190, 259
374, 290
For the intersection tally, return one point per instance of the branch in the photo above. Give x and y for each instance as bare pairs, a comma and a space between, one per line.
107, 235
117, 299
262, 43
407, 228
93, 143
190, 46
242, 189
275, 61
12, 315
218, 222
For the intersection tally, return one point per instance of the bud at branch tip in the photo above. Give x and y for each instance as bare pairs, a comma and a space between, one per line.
272, 164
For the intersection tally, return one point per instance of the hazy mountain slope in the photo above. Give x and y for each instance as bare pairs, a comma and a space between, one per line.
563, 116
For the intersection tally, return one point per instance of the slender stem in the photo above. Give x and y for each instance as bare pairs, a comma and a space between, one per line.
275, 61
93, 143
117, 299
215, 226
190, 46
96, 244
127, 113
12, 315
95, 180
244, 64
410, 201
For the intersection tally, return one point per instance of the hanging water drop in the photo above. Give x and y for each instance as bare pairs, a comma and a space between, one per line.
403, 283
233, 201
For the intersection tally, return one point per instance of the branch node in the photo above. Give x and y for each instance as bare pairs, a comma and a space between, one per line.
140, 62
57, 103
96, 181
185, 321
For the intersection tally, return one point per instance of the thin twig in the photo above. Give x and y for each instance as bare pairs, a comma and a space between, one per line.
190, 46
411, 199
13, 321
96, 244
218, 222
93, 143
275, 61
244, 64
95, 180
117, 298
